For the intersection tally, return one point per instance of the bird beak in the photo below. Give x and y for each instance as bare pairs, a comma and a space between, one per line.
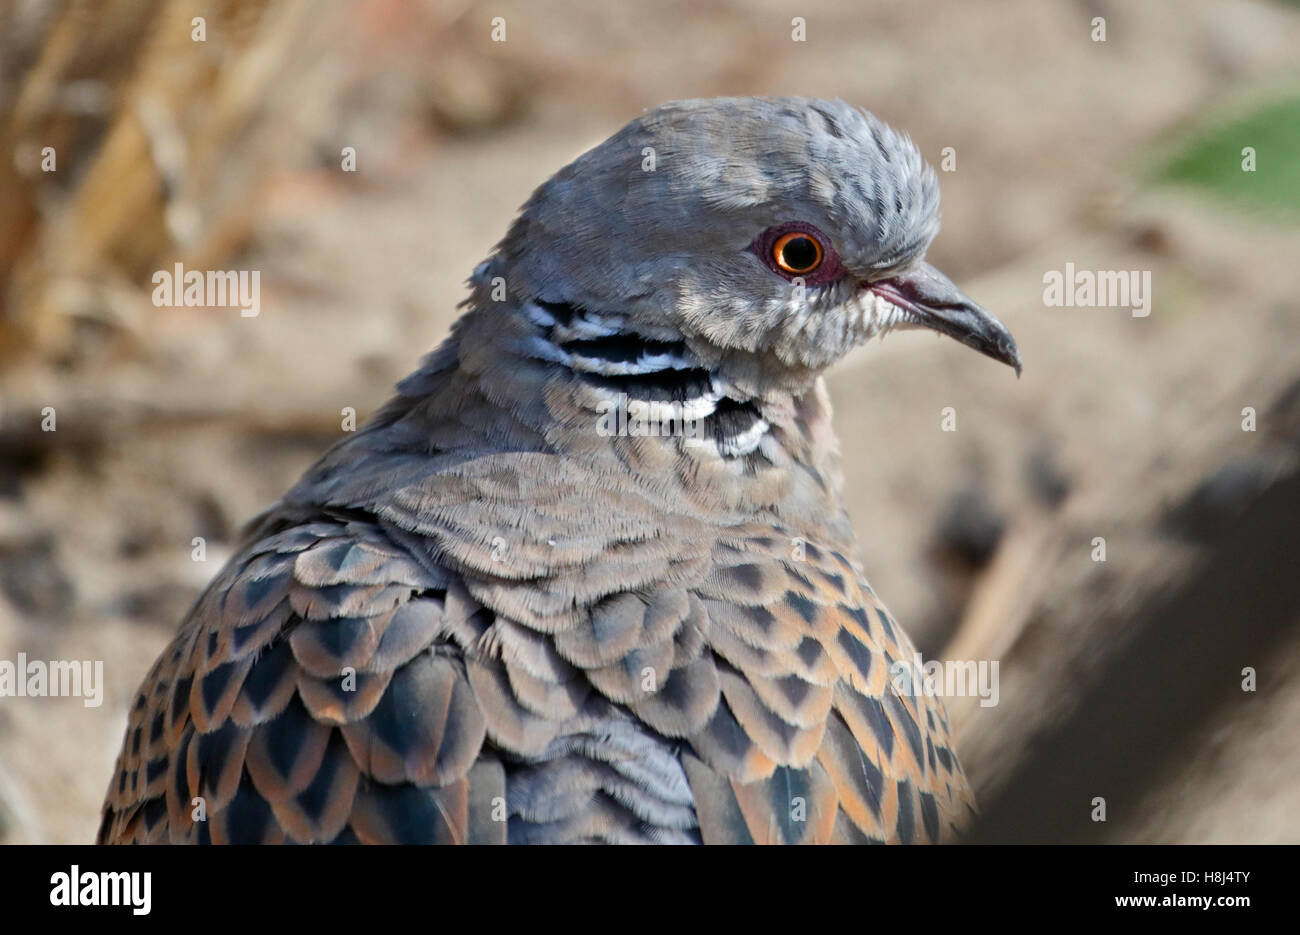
934, 302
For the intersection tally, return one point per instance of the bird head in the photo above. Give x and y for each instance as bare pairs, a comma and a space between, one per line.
772, 235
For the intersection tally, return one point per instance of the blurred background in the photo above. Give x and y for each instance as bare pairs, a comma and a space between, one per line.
1119, 679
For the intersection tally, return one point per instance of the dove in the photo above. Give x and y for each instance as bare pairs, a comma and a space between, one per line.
588, 576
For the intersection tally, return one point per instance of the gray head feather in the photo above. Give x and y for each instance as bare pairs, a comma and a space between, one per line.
655, 224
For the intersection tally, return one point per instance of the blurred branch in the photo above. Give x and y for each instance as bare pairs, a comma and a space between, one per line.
170, 163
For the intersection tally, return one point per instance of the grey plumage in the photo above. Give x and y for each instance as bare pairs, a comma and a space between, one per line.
483, 618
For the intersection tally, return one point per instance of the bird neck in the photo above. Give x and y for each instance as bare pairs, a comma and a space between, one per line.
590, 385
541, 394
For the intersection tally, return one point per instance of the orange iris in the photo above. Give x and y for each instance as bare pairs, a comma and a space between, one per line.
797, 252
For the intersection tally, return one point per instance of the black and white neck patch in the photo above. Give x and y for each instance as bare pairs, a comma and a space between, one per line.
642, 378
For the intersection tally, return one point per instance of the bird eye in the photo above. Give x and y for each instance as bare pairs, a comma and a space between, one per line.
798, 250
797, 253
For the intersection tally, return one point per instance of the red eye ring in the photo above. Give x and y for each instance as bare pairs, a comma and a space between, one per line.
796, 250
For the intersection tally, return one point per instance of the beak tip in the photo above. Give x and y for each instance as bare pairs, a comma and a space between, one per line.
1013, 358
1004, 348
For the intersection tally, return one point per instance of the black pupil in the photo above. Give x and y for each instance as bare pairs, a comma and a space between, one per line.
799, 253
